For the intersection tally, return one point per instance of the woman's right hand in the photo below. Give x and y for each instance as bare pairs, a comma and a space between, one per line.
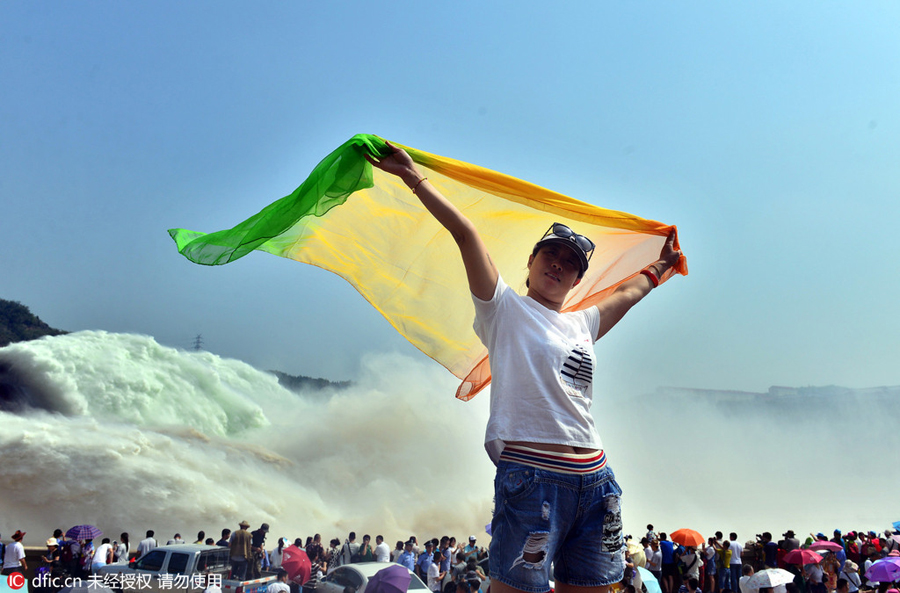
398, 163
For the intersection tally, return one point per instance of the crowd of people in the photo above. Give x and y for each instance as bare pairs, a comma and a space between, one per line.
723, 565
438, 562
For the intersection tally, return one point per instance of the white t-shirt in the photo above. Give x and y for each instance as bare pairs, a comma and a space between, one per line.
101, 554
736, 550
15, 551
279, 587
433, 573
542, 366
382, 553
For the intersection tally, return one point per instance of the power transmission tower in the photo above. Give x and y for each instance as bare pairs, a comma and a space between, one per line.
198, 342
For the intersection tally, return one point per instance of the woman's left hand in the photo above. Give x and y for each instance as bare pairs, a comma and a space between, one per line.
668, 254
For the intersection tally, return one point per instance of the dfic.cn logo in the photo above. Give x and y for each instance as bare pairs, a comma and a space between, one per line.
16, 580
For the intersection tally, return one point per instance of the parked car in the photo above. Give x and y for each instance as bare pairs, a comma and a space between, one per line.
357, 575
183, 567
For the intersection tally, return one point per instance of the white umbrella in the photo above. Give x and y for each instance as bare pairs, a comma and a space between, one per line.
771, 577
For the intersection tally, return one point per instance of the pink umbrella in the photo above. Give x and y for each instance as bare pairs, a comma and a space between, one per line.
801, 556
825, 545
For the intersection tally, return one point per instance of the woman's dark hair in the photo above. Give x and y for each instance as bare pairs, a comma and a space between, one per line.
124, 538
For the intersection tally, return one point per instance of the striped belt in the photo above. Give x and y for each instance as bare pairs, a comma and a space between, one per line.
564, 463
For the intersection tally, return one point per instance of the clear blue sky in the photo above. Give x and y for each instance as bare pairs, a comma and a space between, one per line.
769, 132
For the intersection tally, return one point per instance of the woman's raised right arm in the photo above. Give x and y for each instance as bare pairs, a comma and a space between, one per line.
481, 272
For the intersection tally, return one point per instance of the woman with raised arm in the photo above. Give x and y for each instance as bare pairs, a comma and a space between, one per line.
556, 498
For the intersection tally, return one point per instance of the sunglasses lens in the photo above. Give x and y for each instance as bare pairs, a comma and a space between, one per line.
561, 230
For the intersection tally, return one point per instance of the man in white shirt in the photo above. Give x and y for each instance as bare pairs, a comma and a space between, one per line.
382, 550
280, 585
146, 544
14, 555
736, 564
748, 572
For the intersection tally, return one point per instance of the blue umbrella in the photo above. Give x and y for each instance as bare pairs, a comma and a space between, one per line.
83, 532
649, 580
896, 524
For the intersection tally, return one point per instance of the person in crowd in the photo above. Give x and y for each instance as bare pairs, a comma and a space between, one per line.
316, 569
87, 558
276, 555
281, 582
121, 549
651, 534
315, 548
382, 550
815, 582
454, 547
350, 549
366, 552
736, 565
333, 555
408, 557
210, 541
201, 537
669, 567
830, 569
424, 561
176, 539
146, 544
434, 574
472, 550
709, 559
690, 563
240, 551
850, 573
654, 560
395, 553
723, 564
258, 550
746, 573
103, 555
225, 540
458, 570
50, 562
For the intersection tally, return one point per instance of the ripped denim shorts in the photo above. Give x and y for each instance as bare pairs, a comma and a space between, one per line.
542, 516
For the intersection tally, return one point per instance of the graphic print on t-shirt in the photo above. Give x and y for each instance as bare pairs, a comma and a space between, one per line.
577, 371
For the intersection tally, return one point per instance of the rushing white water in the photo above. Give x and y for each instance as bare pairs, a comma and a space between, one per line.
118, 431
131, 435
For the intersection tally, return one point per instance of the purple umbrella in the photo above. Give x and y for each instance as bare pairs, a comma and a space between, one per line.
392, 579
83, 532
886, 570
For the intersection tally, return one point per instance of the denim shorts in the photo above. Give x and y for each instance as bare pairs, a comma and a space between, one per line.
542, 516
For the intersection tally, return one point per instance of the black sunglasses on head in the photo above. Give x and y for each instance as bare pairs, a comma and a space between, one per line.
563, 232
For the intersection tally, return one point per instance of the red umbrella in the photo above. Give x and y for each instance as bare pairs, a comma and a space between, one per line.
687, 537
801, 556
296, 563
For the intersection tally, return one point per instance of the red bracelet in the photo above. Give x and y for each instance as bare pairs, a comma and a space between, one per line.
418, 183
653, 279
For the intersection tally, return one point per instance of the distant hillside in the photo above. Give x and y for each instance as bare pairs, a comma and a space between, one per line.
18, 324
301, 383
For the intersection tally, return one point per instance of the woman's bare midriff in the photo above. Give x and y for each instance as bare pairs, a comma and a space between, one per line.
554, 448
